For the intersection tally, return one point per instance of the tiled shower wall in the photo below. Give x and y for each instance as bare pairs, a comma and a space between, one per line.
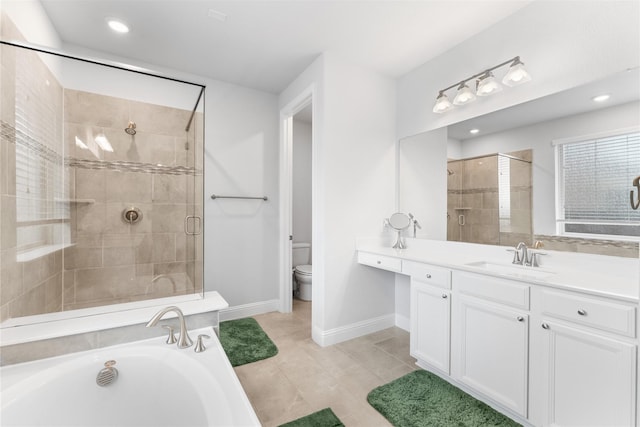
105, 260
475, 195
154, 171
28, 284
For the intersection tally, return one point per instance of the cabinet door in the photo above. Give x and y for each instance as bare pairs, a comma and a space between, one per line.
430, 320
492, 344
587, 379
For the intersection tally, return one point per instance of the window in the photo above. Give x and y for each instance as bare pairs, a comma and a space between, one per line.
594, 177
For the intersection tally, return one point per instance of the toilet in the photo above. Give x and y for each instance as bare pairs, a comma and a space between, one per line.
301, 262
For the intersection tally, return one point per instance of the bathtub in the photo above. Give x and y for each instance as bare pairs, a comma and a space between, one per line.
157, 385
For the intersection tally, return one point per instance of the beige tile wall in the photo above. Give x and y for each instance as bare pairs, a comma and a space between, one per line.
473, 192
113, 261
35, 286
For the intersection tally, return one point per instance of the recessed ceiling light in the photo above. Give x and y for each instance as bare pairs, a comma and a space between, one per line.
474, 131
600, 98
117, 25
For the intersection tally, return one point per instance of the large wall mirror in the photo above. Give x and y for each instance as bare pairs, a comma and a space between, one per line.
101, 184
558, 169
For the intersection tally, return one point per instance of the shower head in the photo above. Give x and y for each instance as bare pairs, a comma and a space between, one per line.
131, 128
450, 172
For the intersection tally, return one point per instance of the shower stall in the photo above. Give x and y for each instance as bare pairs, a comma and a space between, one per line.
101, 188
489, 199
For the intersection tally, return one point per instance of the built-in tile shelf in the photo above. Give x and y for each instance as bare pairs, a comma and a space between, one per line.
77, 201
40, 251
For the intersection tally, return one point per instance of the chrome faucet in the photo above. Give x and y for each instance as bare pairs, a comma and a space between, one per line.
184, 341
415, 224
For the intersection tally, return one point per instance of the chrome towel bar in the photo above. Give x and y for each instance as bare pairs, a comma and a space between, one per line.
215, 196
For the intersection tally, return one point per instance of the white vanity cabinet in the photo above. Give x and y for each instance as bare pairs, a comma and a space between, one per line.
584, 365
430, 314
490, 338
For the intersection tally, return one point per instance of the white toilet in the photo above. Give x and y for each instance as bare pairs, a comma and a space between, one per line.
301, 261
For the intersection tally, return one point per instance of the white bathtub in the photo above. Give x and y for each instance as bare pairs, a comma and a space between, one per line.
157, 385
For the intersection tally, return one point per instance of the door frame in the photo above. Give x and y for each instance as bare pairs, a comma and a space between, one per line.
304, 99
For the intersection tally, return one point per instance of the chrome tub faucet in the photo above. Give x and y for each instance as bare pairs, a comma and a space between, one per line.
184, 341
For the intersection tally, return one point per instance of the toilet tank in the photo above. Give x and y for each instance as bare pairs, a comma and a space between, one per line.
301, 254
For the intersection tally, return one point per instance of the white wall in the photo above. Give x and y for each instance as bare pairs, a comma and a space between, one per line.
301, 185
353, 179
563, 44
241, 158
538, 137
423, 159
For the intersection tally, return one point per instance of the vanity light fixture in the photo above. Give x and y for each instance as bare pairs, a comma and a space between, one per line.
486, 84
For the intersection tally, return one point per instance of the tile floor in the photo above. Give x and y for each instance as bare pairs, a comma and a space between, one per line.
304, 377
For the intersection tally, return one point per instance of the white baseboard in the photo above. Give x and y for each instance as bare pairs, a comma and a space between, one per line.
402, 322
354, 330
248, 310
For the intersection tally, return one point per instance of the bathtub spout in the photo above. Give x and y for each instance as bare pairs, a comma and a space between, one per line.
184, 341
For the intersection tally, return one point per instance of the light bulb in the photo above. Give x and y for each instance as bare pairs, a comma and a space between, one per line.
442, 104
516, 74
487, 85
464, 95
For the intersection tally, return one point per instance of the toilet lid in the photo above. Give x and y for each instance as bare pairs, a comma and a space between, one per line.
304, 269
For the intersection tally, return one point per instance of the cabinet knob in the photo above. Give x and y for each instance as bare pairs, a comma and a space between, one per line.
520, 319
582, 312
545, 326
428, 276
444, 295
379, 262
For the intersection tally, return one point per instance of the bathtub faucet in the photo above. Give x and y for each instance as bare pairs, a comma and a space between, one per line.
184, 340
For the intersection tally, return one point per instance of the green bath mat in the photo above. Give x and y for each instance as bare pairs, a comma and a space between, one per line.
322, 418
244, 341
423, 399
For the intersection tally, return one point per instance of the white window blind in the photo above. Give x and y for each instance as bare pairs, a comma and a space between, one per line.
594, 178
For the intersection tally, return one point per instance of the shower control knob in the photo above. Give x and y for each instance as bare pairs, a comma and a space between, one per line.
131, 215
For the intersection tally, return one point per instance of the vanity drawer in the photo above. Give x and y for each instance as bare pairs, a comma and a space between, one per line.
590, 311
503, 291
426, 273
380, 261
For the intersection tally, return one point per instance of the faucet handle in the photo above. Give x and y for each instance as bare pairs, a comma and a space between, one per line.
171, 339
516, 256
534, 258
200, 345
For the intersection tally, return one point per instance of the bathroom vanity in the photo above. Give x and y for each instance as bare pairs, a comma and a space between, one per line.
549, 345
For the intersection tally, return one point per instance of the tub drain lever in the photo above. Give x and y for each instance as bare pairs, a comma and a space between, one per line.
108, 374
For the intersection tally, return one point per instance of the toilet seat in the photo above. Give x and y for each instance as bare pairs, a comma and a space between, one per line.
304, 270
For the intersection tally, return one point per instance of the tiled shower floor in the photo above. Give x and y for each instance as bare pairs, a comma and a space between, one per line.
304, 377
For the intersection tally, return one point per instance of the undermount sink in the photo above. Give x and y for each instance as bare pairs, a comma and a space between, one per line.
512, 270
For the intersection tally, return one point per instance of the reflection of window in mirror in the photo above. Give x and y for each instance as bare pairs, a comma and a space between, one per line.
594, 177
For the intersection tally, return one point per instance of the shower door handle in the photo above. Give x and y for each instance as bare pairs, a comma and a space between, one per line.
194, 220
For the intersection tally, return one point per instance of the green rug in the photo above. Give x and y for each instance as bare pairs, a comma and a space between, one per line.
322, 418
244, 341
423, 399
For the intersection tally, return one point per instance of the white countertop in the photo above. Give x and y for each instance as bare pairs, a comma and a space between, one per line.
607, 276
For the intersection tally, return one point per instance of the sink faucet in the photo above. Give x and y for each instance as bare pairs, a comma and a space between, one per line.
184, 340
522, 254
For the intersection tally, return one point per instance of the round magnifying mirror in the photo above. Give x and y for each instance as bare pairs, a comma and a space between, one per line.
399, 221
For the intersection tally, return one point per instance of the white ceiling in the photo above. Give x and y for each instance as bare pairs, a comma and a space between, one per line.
266, 44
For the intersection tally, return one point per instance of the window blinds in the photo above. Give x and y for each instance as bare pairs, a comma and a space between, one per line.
594, 180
